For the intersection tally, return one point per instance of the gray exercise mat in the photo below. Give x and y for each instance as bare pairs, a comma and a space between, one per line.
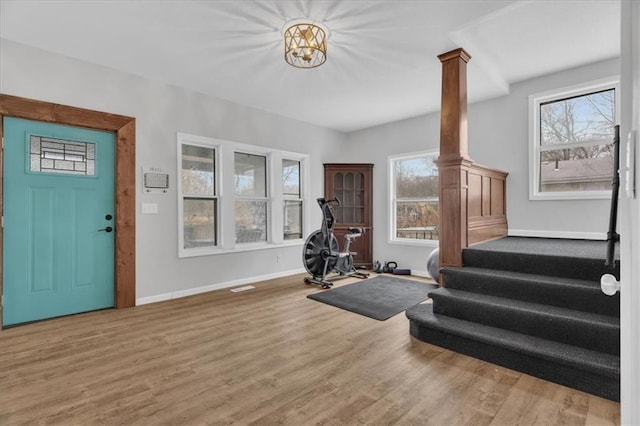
380, 297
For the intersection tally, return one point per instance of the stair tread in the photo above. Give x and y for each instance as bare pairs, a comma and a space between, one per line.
571, 293
548, 247
561, 353
581, 259
520, 305
524, 276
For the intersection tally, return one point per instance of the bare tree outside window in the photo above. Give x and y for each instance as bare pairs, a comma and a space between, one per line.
199, 196
292, 205
575, 142
415, 186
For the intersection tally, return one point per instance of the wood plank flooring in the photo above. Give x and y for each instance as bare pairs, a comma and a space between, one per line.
264, 356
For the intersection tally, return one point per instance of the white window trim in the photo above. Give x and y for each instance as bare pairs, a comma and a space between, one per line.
391, 211
225, 194
534, 136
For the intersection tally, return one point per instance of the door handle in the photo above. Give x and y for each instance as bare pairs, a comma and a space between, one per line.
107, 229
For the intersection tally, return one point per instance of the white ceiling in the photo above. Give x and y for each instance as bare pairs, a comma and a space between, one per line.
381, 64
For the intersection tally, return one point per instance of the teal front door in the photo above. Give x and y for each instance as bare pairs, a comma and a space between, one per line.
58, 219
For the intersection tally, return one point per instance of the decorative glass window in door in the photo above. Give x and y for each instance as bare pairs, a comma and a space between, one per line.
49, 155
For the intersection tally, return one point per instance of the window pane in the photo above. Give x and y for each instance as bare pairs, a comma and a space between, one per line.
417, 220
250, 175
578, 169
292, 220
251, 221
416, 178
50, 155
291, 178
578, 119
199, 222
198, 170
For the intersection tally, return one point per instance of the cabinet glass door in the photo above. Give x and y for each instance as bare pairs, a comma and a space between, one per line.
349, 188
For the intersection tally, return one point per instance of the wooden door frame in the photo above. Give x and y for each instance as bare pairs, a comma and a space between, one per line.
125, 213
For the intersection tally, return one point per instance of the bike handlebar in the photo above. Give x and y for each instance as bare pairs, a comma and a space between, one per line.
323, 201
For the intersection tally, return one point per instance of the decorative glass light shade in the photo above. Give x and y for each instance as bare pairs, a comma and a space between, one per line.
305, 45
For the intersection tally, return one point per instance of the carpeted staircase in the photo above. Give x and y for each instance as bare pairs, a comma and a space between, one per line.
533, 305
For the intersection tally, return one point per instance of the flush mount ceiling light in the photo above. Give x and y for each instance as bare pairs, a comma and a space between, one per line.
305, 43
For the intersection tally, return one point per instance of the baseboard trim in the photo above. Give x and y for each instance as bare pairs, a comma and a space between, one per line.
558, 234
422, 274
204, 289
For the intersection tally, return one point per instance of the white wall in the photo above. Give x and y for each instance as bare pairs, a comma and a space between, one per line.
498, 137
162, 110
375, 145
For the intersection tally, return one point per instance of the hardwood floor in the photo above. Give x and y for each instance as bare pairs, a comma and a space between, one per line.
264, 356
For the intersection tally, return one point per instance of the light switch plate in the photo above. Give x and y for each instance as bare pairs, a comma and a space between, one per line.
149, 208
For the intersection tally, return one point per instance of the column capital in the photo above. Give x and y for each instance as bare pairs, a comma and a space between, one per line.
455, 53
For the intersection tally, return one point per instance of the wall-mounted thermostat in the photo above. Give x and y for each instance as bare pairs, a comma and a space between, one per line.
155, 181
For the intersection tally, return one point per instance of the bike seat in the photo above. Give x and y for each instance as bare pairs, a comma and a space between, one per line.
355, 230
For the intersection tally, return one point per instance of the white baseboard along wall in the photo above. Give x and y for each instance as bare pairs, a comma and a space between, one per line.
558, 234
211, 287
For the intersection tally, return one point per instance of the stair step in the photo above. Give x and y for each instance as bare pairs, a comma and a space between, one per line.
571, 293
583, 329
584, 369
581, 259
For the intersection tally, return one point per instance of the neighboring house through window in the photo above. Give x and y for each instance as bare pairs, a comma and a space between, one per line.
235, 197
571, 142
413, 187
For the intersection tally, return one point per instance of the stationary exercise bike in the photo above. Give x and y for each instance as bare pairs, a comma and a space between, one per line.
321, 255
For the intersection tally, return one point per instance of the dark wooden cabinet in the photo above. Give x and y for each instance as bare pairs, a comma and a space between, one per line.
352, 184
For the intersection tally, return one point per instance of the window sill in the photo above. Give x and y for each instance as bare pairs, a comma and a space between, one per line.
417, 243
570, 196
239, 248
